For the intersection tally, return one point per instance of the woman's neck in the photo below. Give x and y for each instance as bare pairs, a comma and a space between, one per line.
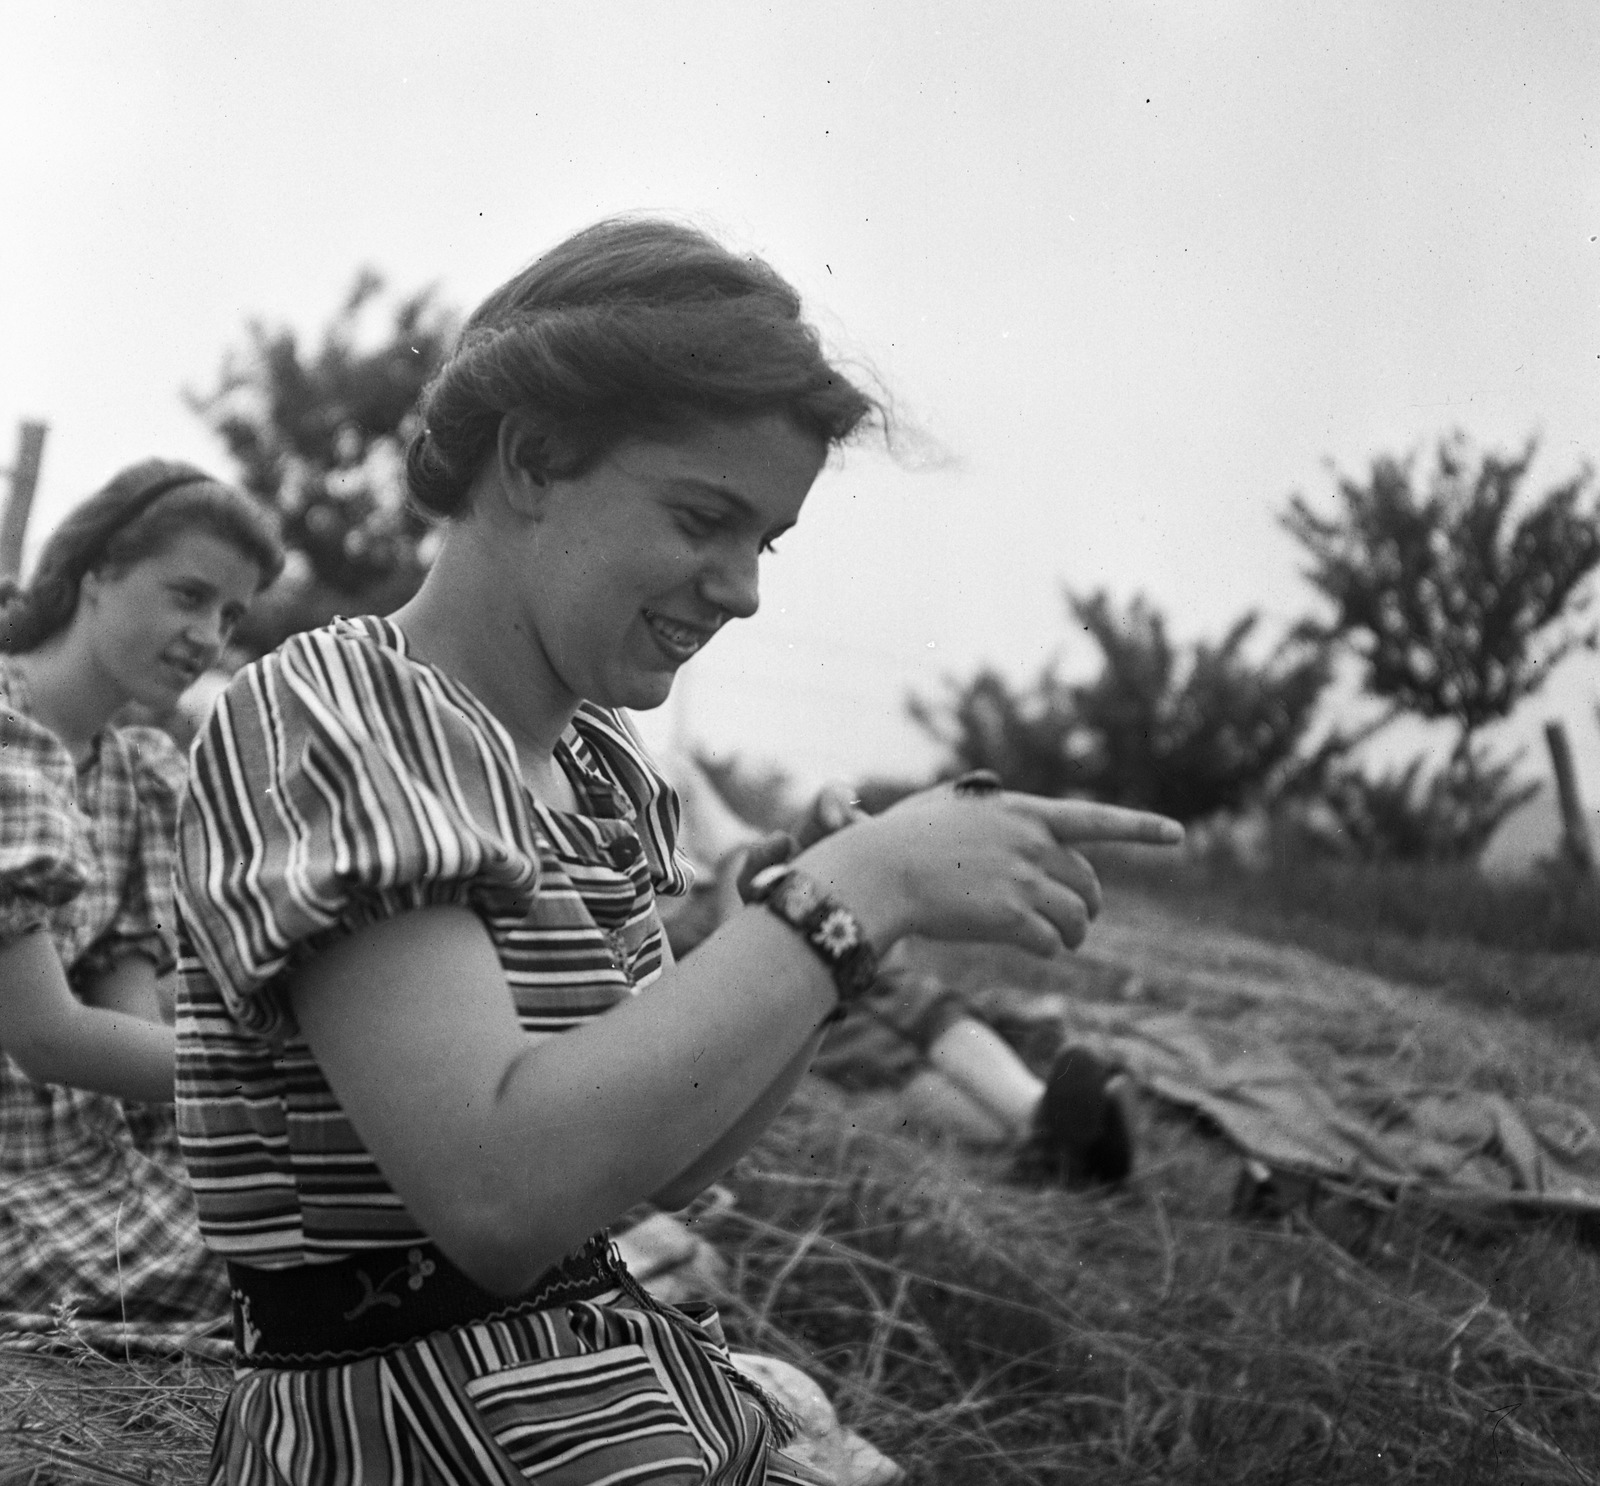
487, 651
69, 695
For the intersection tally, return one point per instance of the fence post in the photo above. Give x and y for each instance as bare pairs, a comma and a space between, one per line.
1578, 847
24, 481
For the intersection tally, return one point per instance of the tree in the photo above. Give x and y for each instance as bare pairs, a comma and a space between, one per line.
1457, 604
322, 440
1191, 735
1456, 613
1188, 732
1414, 813
1028, 737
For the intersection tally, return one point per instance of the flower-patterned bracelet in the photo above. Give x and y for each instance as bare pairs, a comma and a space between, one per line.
825, 924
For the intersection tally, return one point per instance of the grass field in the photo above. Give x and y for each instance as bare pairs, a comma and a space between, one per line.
1529, 946
983, 1333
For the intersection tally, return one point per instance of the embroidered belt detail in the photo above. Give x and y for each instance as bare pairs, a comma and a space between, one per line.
316, 1315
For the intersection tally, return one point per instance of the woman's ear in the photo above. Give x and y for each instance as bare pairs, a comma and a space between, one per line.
521, 457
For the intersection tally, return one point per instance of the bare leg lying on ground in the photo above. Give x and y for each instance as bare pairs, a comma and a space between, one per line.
976, 1087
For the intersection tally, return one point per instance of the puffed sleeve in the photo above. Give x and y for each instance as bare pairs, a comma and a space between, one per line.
336, 784
152, 769
45, 852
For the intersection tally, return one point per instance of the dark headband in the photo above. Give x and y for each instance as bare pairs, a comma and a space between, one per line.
147, 499
155, 492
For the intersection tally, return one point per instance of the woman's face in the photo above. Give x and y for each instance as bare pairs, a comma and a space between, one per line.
156, 625
639, 562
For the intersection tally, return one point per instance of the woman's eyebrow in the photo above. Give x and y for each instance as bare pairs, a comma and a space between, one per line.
194, 580
693, 485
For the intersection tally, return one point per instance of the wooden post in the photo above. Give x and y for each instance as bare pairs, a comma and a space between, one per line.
24, 481
1578, 847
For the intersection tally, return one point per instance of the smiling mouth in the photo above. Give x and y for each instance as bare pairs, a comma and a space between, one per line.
187, 670
680, 641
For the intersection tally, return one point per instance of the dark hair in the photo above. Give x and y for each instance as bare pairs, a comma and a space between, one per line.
133, 517
632, 328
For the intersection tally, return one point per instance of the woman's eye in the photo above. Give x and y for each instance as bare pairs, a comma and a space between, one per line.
697, 523
770, 545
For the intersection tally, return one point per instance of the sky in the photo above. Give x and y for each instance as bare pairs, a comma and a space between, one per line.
1132, 274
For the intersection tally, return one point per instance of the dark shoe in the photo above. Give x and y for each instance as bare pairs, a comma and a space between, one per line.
1082, 1134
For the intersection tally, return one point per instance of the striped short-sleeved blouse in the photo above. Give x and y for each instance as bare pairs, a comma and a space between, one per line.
341, 780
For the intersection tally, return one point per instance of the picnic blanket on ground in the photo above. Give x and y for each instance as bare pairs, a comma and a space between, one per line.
1455, 1146
1318, 1069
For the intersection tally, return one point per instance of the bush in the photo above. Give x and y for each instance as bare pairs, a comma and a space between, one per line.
1187, 731
320, 437
1413, 815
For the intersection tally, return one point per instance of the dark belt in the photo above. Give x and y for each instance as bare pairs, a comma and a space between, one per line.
315, 1315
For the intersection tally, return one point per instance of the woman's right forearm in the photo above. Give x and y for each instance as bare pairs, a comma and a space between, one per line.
55, 1039
106, 1052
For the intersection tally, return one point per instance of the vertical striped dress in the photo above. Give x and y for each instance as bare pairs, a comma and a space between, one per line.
339, 781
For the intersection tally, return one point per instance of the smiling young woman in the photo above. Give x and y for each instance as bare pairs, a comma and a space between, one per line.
432, 1042
132, 597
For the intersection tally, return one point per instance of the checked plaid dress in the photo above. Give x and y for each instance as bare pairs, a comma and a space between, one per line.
95, 1210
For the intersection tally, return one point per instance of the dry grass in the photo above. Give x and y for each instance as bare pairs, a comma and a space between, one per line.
1550, 908
983, 1334
990, 1335
987, 1335
86, 1418
1530, 946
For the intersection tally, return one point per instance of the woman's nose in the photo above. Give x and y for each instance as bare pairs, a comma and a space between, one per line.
206, 632
733, 584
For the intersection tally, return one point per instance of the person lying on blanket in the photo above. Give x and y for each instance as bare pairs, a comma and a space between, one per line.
132, 597
431, 1041
912, 1036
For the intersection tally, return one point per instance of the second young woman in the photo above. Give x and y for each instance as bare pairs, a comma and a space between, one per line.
131, 598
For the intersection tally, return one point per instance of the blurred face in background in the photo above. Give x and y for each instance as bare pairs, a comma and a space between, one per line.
156, 625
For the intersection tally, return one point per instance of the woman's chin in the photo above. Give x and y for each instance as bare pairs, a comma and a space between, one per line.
158, 698
648, 699
640, 692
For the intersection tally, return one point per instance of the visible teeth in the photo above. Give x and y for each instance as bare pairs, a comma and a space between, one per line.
677, 633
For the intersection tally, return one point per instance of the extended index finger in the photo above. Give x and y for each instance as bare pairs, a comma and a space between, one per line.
1074, 821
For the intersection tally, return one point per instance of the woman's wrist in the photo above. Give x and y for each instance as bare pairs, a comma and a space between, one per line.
828, 927
841, 866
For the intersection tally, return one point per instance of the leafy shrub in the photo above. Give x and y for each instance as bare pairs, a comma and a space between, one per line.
1187, 731
321, 439
1410, 814
1457, 611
